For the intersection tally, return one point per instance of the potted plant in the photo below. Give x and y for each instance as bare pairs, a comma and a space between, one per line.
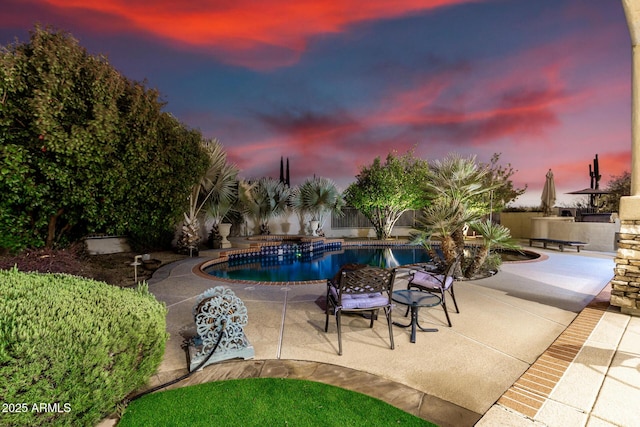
215, 186
317, 197
220, 230
223, 201
262, 200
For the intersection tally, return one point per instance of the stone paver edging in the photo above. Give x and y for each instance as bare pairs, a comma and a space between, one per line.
408, 399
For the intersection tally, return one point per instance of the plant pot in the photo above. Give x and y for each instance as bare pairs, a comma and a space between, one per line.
314, 227
224, 229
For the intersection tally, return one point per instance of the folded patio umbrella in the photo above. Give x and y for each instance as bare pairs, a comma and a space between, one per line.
548, 194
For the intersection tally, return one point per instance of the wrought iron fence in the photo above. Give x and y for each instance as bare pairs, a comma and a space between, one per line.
353, 218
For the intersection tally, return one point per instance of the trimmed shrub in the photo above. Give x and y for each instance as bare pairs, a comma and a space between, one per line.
72, 348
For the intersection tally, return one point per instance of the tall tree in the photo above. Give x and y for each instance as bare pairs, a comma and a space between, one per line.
499, 178
384, 191
59, 109
85, 150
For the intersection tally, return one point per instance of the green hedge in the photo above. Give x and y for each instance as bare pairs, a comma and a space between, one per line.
72, 348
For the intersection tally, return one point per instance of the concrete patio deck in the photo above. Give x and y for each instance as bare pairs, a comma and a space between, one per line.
532, 345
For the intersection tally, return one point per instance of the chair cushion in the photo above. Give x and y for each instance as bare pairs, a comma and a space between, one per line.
433, 281
353, 301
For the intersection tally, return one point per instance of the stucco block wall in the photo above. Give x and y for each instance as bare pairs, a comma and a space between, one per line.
107, 245
519, 223
599, 236
524, 225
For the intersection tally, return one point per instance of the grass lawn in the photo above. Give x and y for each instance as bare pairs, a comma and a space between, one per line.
264, 402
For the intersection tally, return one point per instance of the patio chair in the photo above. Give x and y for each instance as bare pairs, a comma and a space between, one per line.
437, 283
360, 290
347, 267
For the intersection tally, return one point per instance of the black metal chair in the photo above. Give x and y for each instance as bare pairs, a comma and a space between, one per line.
366, 289
437, 283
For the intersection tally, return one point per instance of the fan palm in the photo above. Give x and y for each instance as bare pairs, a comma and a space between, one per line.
454, 187
493, 236
218, 211
458, 178
318, 197
217, 185
439, 221
263, 199
224, 196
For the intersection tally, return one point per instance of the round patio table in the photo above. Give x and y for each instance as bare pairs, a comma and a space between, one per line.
415, 299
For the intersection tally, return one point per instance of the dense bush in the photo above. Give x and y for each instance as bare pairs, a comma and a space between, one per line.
619, 186
84, 150
75, 345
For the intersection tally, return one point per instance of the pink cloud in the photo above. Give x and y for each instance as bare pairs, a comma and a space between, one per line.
614, 164
515, 110
253, 34
308, 130
525, 96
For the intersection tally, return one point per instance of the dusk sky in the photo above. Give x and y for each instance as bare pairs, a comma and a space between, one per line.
332, 84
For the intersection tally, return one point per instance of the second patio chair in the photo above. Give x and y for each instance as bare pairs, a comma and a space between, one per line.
437, 283
365, 289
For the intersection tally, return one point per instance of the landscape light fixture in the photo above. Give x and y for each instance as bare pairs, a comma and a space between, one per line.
136, 262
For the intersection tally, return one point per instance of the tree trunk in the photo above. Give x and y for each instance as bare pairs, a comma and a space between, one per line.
458, 240
478, 261
385, 234
449, 250
376, 221
51, 231
189, 237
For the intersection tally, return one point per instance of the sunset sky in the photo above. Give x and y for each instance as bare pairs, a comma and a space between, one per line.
331, 84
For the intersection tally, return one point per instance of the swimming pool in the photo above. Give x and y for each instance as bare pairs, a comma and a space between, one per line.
315, 266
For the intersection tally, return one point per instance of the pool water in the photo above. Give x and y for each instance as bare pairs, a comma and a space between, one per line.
319, 266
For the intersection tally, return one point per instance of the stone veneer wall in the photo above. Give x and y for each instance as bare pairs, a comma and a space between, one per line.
625, 286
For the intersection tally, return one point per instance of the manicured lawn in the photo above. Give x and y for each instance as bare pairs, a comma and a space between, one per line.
264, 402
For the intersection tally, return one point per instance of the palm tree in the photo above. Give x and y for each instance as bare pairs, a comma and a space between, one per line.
317, 197
224, 197
216, 185
218, 211
493, 236
461, 179
456, 185
263, 199
439, 221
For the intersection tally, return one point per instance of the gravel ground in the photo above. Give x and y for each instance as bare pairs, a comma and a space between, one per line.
115, 269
